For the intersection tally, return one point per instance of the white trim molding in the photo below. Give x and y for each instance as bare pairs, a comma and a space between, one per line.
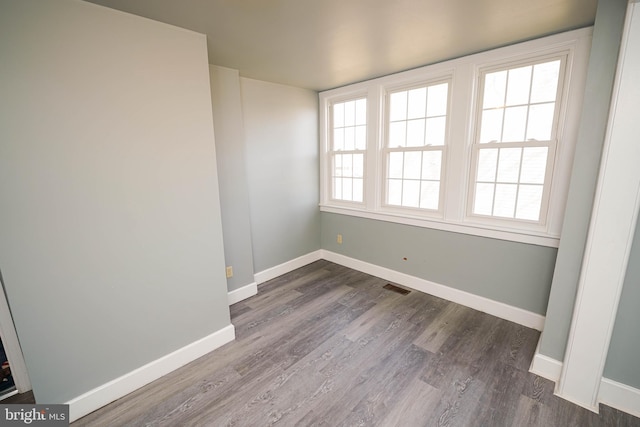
613, 223
546, 367
495, 232
279, 270
242, 293
620, 396
486, 305
612, 393
115, 389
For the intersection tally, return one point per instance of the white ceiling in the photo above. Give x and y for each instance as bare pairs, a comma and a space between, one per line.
322, 44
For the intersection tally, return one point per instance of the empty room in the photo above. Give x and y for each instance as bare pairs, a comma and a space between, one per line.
329, 213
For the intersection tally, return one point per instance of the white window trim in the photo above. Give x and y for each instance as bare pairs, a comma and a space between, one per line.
463, 74
446, 77
552, 145
331, 153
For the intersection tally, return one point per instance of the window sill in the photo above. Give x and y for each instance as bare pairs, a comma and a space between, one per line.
482, 230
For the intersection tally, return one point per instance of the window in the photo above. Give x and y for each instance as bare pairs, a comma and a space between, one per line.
348, 147
516, 139
479, 145
416, 137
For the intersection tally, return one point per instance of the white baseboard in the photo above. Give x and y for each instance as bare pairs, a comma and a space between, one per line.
611, 393
115, 389
495, 308
545, 366
242, 293
620, 396
279, 270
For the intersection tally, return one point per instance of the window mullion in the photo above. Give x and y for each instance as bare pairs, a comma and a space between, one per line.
457, 154
372, 158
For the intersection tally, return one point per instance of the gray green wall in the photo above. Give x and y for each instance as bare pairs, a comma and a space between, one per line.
622, 360
607, 33
513, 273
267, 151
234, 190
111, 241
281, 142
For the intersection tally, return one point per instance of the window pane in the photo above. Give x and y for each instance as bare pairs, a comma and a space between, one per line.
515, 121
518, 86
491, 126
357, 190
509, 165
436, 131
358, 165
505, 200
431, 164
412, 164
411, 194
540, 122
361, 137
494, 89
415, 133
545, 81
347, 165
338, 115
437, 100
429, 194
417, 103
394, 192
361, 111
529, 201
398, 106
487, 162
397, 134
349, 138
338, 139
483, 204
337, 188
350, 113
347, 189
337, 165
395, 165
534, 165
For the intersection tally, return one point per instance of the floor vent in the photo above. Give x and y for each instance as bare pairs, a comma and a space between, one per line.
395, 288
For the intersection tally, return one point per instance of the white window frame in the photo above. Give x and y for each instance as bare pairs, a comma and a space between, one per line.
446, 77
331, 153
540, 225
326, 135
462, 119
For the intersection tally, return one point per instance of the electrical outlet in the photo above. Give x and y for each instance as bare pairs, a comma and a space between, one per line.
229, 272
339, 239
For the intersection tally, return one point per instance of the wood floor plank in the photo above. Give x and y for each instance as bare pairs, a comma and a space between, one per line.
530, 413
325, 345
362, 371
291, 394
392, 376
441, 328
415, 407
369, 318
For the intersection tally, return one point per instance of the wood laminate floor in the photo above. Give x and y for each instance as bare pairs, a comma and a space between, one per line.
328, 346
